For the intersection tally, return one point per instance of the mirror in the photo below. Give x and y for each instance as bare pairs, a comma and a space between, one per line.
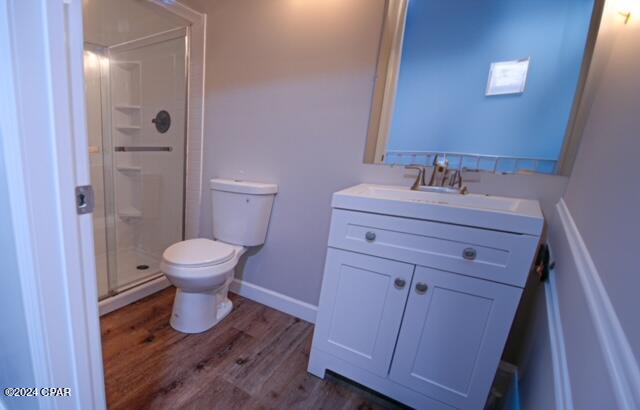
484, 85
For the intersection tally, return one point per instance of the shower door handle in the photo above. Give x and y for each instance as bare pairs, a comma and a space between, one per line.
142, 149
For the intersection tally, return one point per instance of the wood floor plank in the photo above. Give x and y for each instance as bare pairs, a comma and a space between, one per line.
261, 321
254, 369
196, 375
291, 386
256, 358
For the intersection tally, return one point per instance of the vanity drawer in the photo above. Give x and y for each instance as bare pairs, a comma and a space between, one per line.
498, 256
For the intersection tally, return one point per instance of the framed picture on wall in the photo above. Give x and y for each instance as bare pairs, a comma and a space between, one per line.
508, 77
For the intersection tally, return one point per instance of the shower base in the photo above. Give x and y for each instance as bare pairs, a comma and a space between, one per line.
135, 293
138, 276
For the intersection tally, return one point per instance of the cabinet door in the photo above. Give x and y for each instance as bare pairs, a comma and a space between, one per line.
452, 336
361, 308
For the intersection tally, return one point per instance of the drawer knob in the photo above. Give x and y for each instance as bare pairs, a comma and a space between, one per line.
421, 288
370, 236
469, 254
399, 283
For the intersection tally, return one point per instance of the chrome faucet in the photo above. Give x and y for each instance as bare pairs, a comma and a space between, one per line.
439, 177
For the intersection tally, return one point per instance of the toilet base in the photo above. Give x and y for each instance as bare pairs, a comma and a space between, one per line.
198, 312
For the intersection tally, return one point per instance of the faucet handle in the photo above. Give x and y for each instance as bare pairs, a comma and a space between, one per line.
419, 178
455, 178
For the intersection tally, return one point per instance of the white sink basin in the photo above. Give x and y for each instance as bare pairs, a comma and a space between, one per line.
491, 212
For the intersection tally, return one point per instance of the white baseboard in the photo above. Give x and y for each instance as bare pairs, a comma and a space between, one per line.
561, 379
622, 365
129, 296
275, 300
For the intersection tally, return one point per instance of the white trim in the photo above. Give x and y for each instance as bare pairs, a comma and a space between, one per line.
134, 294
150, 39
83, 287
195, 114
561, 379
17, 195
275, 300
621, 362
57, 274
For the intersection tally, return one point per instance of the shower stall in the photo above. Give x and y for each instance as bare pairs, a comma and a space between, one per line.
136, 99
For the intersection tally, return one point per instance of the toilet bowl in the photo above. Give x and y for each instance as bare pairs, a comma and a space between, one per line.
202, 269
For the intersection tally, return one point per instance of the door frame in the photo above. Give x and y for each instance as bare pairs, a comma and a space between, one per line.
46, 157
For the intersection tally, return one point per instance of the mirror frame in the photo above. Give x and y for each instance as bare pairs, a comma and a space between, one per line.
388, 70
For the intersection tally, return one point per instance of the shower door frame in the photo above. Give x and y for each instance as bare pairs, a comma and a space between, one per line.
153, 39
107, 165
108, 169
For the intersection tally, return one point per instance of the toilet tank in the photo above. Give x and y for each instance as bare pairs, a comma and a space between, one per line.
241, 211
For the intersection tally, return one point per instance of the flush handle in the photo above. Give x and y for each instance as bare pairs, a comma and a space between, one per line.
421, 288
399, 283
469, 254
370, 236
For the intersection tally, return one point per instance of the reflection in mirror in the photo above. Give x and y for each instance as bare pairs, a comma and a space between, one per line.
489, 85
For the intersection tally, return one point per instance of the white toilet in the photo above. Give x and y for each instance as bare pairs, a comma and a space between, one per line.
202, 269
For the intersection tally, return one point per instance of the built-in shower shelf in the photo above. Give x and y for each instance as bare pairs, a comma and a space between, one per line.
129, 169
128, 128
129, 213
126, 107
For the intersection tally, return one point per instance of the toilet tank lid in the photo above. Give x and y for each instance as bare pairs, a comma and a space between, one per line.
243, 187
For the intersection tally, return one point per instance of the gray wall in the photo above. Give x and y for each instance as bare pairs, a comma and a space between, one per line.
603, 198
604, 194
288, 93
15, 355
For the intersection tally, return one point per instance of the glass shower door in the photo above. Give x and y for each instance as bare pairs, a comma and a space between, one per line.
136, 109
148, 101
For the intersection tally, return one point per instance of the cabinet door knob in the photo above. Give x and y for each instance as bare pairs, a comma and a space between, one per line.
399, 283
370, 236
421, 288
469, 254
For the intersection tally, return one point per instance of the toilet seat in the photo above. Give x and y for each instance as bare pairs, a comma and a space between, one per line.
197, 253
197, 264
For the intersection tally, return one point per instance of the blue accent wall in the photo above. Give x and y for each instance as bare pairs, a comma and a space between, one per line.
447, 51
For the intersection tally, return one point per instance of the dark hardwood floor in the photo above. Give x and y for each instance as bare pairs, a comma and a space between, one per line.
256, 358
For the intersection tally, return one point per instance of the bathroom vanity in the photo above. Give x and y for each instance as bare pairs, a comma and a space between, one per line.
420, 290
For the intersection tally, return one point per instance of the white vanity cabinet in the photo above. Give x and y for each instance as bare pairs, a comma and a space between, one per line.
452, 336
366, 311
418, 309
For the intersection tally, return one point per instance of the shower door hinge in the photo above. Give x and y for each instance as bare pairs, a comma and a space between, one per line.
85, 201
